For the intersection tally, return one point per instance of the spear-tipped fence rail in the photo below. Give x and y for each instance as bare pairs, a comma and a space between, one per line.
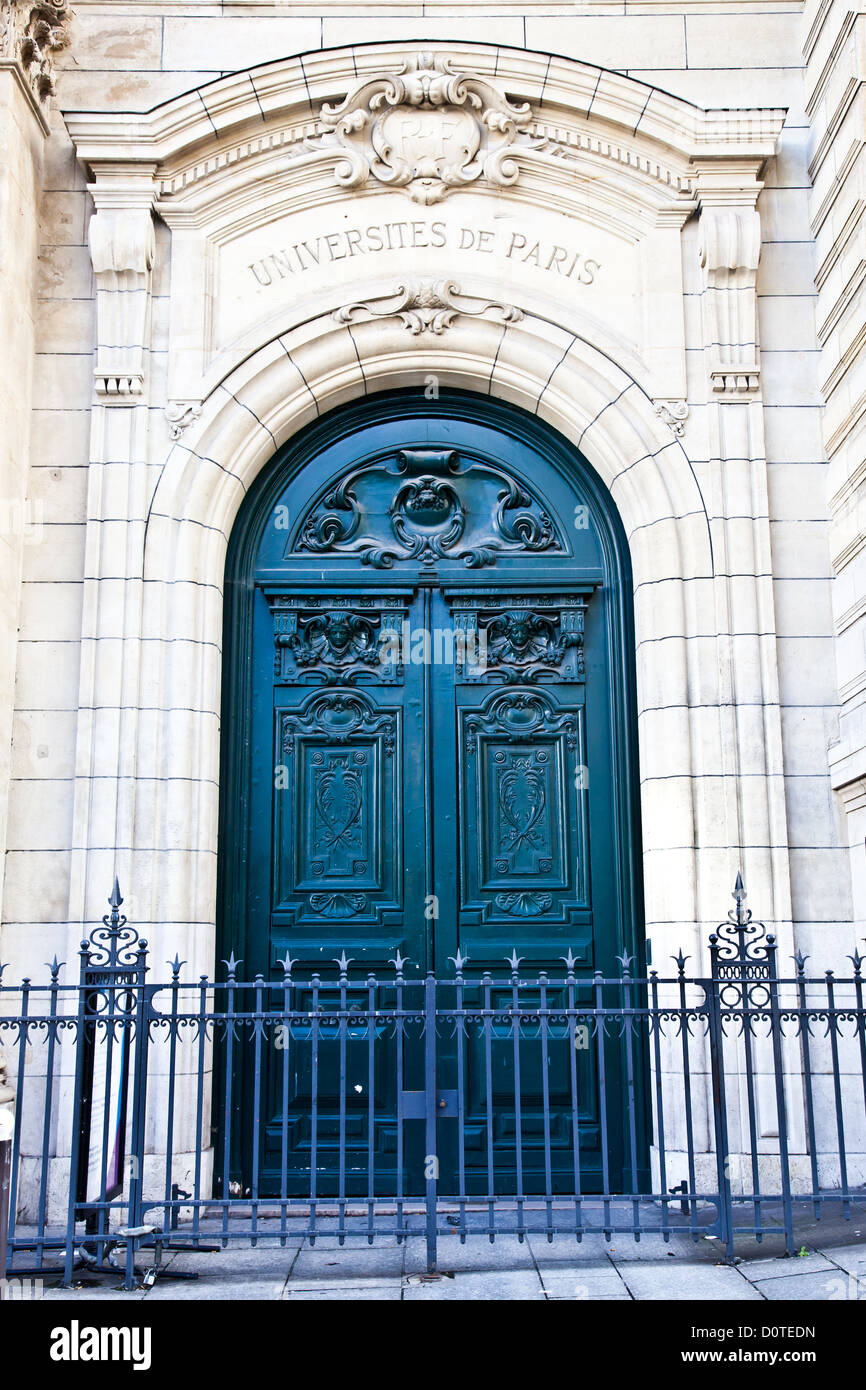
197, 1114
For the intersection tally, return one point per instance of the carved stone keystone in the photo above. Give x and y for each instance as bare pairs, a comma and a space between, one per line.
428, 129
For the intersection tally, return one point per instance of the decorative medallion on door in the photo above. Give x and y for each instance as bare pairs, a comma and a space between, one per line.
415, 507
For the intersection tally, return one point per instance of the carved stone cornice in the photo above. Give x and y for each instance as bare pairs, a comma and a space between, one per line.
30, 36
427, 308
295, 134
121, 239
428, 129
638, 126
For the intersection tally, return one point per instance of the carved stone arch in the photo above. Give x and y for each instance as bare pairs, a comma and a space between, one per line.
584, 394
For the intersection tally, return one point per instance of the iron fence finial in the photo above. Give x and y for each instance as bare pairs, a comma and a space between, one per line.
739, 895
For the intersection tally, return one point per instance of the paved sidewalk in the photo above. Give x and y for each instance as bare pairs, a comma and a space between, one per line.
832, 1267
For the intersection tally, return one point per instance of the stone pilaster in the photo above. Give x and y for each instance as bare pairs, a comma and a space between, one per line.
121, 238
744, 609
30, 35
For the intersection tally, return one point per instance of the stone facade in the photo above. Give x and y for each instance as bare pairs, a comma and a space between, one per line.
222, 248
835, 52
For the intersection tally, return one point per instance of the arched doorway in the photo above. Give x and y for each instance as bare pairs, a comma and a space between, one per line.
429, 745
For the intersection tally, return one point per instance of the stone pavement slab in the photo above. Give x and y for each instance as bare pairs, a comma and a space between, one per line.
217, 1288
832, 1284
756, 1271
568, 1249
677, 1280
493, 1285
476, 1253
654, 1248
583, 1282
848, 1257
332, 1261
240, 1263
349, 1293
107, 1294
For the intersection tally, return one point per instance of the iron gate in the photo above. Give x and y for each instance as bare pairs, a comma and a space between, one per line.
758, 1099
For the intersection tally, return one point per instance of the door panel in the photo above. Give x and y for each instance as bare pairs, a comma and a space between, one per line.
347, 804
523, 825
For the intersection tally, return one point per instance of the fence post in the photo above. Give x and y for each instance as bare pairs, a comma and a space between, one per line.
79, 1109
781, 1104
7, 1124
431, 1157
139, 1109
714, 987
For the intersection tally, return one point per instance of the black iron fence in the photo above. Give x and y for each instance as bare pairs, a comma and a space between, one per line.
195, 1114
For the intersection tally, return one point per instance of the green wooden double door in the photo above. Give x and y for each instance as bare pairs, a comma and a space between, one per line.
429, 752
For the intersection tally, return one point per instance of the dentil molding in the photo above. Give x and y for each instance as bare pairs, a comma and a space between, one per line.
428, 123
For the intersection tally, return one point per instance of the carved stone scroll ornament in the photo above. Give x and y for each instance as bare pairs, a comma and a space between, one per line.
180, 415
428, 308
31, 35
428, 129
674, 414
729, 250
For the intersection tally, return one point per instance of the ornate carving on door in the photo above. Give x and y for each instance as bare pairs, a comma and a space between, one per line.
427, 517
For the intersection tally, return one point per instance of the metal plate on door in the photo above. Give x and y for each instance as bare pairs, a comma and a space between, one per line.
415, 1102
